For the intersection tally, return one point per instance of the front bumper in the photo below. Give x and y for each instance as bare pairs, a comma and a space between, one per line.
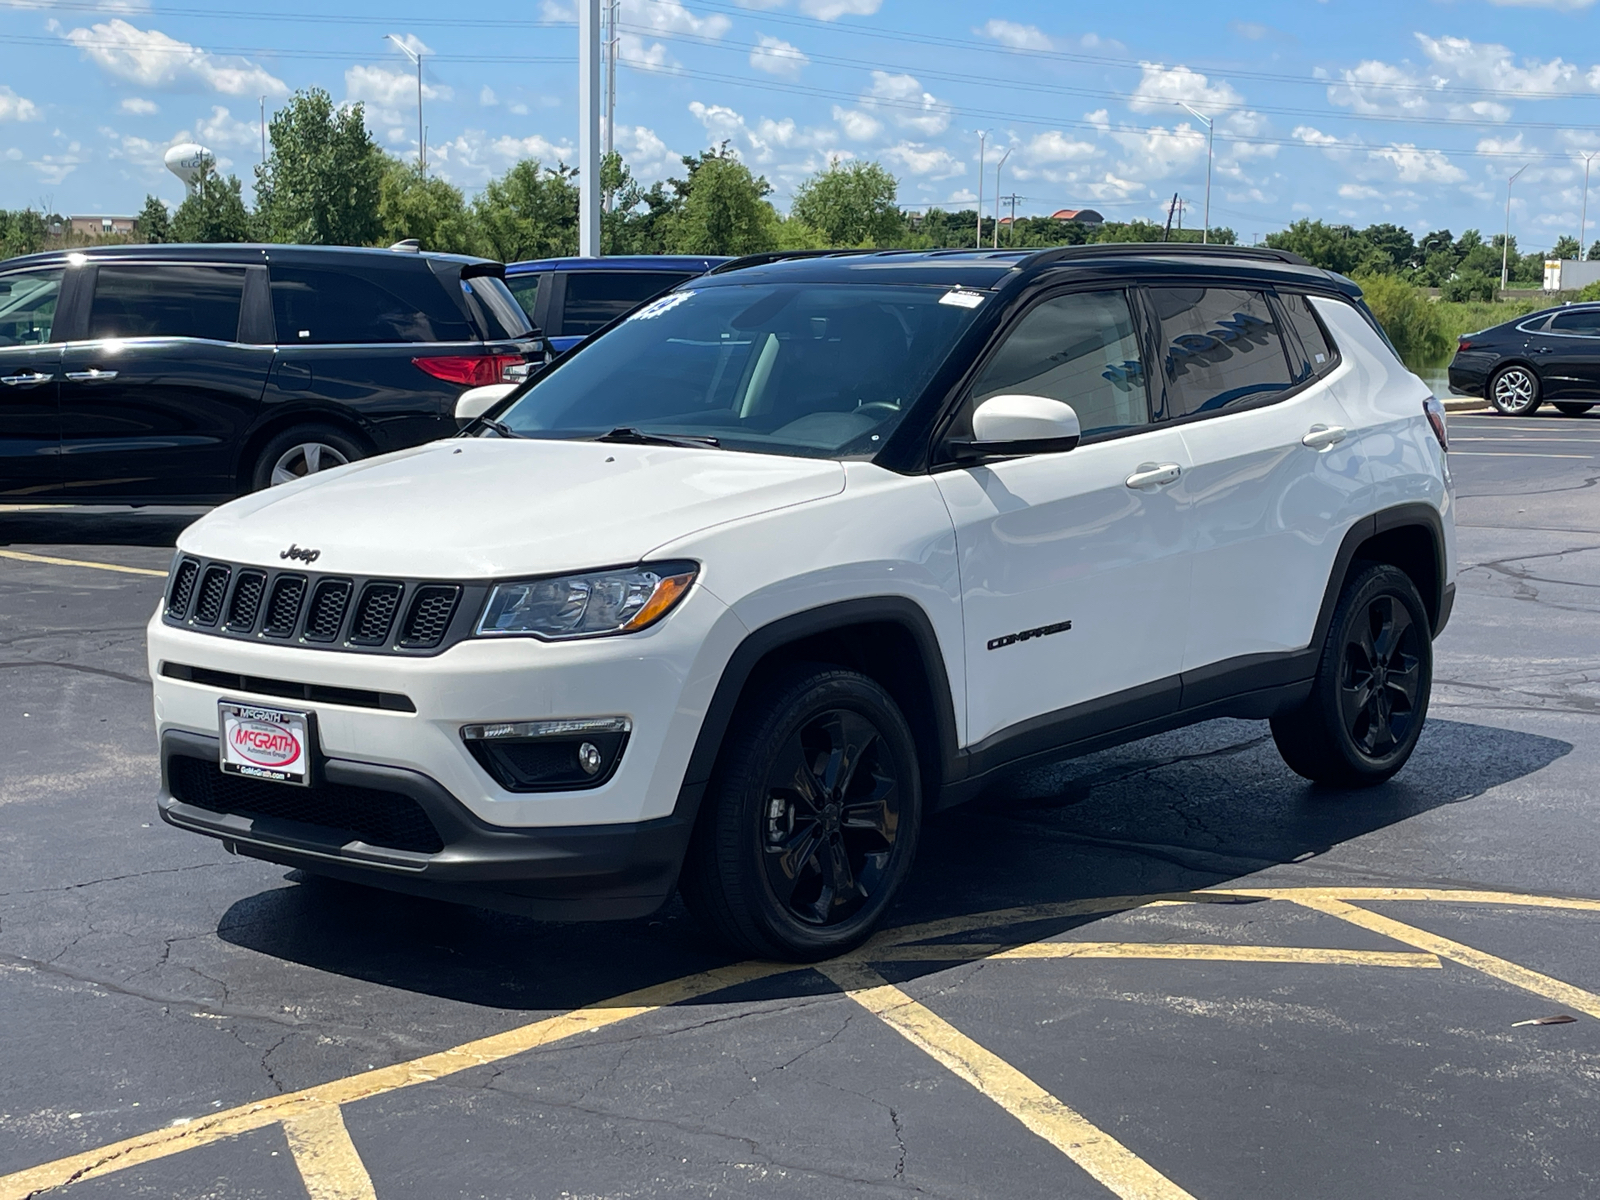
585, 872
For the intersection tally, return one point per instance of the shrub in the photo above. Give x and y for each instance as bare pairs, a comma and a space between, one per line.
1407, 316
1469, 285
1590, 292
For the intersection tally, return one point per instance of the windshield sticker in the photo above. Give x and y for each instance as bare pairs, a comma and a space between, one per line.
656, 307
961, 298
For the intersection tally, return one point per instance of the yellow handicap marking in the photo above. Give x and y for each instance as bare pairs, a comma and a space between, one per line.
22, 556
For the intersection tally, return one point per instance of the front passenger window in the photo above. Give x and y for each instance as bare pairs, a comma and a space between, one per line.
1220, 348
1081, 349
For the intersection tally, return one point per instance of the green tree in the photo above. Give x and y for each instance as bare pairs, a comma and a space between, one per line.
320, 184
1407, 315
529, 212
155, 225
24, 231
411, 205
851, 204
1390, 247
215, 212
721, 208
1332, 247
1565, 247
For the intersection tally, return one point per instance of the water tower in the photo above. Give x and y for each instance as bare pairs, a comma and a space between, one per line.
189, 162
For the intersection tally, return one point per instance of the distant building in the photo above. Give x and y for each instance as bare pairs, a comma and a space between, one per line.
101, 226
1084, 216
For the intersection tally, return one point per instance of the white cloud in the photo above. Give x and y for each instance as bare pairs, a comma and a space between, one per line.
777, 57
832, 10
1492, 66
1412, 165
909, 106
1018, 37
1559, 5
1057, 147
138, 106
384, 88
857, 125
1162, 88
934, 162
221, 129
151, 59
17, 108
648, 157
1359, 191
415, 44
549, 153
1399, 89
486, 96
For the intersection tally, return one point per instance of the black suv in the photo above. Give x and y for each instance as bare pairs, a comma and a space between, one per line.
177, 374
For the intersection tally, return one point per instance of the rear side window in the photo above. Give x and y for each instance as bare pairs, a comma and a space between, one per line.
28, 307
1585, 321
1318, 351
596, 298
1081, 349
317, 307
505, 316
133, 300
1220, 348
525, 289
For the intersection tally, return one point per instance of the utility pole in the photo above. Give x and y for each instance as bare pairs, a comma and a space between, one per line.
1171, 208
983, 135
1211, 133
997, 167
611, 40
422, 134
1013, 198
589, 128
264, 134
1505, 239
1583, 220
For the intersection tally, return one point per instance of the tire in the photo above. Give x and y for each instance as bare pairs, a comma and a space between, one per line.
301, 451
1573, 410
1348, 732
794, 858
1514, 390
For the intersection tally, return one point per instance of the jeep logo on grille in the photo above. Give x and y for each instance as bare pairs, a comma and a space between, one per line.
305, 555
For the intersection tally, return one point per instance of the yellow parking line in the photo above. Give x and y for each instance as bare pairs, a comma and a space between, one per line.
1117, 1168
290, 1106
1510, 972
330, 1166
1438, 895
1188, 951
21, 556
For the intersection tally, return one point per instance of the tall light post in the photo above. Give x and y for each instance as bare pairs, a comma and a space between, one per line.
1505, 238
613, 8
1211, 133
983, 136
1583, 219
997, 167
589, 128
416, 57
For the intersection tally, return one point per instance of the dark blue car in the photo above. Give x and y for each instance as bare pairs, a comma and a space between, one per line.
570, 298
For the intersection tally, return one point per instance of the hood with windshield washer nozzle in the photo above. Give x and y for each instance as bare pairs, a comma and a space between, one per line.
475, 508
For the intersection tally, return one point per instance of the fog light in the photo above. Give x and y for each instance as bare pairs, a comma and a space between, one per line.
549, 756
590, 758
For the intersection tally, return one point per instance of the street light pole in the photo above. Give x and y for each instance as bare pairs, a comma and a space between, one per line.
1505, 238
1583, 219
589, 128
983, 135
422, 135
1211, 134
997, 167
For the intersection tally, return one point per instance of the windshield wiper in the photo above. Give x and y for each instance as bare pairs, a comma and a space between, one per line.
503, 430
637, 437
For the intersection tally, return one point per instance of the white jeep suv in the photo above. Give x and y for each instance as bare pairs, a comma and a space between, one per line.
732, 595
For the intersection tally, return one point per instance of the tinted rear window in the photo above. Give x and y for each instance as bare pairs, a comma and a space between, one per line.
314, 306
525, 288
1583, 321
596, 298
1220, 348
505, 317
166, 300
1319, 355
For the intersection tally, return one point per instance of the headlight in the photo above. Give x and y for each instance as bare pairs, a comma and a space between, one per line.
589, 605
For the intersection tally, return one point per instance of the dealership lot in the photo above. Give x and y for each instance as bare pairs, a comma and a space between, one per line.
1168, 969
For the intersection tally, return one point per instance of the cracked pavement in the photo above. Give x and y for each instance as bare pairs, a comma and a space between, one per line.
149, 978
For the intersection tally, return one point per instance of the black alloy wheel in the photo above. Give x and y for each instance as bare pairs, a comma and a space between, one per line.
811, 820
1572, 410
1369, 700
1514, 390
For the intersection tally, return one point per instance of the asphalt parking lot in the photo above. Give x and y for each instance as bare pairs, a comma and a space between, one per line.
1171, 969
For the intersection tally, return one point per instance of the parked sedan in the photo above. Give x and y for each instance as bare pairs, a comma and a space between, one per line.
570, 298
1553, 355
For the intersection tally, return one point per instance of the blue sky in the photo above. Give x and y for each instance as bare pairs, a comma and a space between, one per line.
1352, 111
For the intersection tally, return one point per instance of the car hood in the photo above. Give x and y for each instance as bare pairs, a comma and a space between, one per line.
484, 507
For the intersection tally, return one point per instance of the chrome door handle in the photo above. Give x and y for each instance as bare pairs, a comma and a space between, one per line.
94, 376
1323, 436
1154, 474
30, 379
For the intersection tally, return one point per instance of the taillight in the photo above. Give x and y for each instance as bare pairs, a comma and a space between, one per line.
471, 370
1464, 344
1435, 414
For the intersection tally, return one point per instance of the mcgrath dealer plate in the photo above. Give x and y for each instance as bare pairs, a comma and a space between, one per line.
265, 743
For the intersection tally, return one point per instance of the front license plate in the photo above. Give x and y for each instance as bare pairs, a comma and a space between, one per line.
265, 743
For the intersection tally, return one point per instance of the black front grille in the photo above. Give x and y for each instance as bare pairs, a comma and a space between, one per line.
284, 607
379, 818
245, 606
375, 613
182, 588
326, 614
213, 587
429, 617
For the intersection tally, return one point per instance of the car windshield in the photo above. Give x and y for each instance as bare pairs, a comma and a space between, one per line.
820, 370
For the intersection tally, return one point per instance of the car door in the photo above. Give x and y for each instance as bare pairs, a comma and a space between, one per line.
591, 300
156, 402
1074, 566
30, 367
1567, 354
1274, 472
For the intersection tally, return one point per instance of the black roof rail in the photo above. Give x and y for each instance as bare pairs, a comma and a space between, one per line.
1199, 250
772, 256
